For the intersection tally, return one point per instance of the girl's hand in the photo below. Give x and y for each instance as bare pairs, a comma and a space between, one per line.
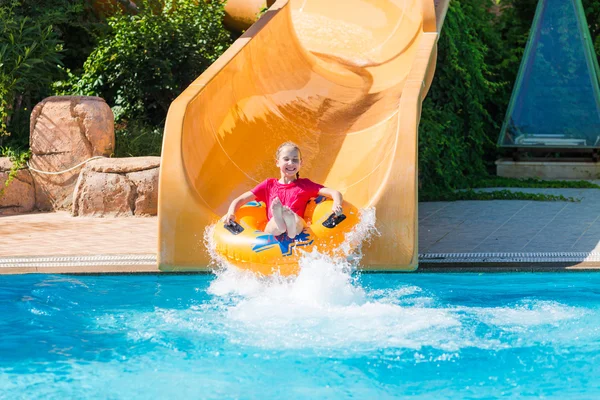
337, 199
337, 208
229, 218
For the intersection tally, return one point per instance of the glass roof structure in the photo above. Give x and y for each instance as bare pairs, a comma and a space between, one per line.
556, 99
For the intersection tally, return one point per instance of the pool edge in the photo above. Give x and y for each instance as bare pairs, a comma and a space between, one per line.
429, 262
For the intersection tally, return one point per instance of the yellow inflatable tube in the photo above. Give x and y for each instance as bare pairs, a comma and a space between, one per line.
245, 245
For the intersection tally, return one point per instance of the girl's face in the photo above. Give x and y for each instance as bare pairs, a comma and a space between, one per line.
289, 161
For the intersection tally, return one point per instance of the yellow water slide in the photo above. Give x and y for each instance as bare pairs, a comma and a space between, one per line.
345, 79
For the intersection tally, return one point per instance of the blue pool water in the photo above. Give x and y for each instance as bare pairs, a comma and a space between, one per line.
326, 334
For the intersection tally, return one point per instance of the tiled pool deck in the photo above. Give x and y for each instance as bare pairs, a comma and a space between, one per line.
463, 235
57, 242
513, 234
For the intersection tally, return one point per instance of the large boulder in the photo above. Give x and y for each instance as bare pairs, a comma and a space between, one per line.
117, 187
65, 131
19, 196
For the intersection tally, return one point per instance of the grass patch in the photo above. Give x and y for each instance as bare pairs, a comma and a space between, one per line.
492, 182
135, 139
499, 182
471, 194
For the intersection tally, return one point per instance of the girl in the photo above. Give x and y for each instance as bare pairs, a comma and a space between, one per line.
287, 197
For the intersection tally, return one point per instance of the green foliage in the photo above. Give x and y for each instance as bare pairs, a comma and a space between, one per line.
73, 21
592, 13
38, 38
457, 131
134, 138
29, 60
513, 25
149, 58
19, 160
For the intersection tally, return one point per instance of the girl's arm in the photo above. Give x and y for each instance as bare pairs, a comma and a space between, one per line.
236, 204
337, 199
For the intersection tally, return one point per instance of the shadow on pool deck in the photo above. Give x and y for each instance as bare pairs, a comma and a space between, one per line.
504, 235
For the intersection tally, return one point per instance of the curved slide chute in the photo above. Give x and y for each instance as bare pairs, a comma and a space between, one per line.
345, 79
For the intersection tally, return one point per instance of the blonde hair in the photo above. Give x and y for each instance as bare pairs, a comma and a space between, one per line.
292, 145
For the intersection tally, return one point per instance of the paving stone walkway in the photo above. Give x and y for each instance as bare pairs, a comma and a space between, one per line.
58, 243
457, 235
58, 234
512, 225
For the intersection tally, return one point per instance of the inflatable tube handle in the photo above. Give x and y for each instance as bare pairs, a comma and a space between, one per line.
333, 220
234, 227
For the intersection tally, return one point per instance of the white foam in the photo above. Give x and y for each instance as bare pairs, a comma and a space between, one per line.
530, 313
360, 234
325, 307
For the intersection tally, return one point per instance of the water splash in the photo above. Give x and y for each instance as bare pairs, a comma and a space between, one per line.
362, 233
326, 308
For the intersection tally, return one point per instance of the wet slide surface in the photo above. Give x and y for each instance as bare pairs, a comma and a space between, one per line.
345, 80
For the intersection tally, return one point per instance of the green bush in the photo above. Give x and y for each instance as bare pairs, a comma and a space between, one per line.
74, 21
149, 58
458, 132
135, 138
29, 63
592, 12
38, 38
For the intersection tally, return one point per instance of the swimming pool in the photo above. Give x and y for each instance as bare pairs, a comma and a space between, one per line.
326, 334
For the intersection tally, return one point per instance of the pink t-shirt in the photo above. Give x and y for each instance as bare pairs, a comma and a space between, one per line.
295, 195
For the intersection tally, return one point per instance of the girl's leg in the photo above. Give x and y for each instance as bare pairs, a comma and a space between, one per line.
276, 225
294, 224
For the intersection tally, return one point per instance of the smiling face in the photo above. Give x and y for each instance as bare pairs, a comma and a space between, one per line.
289, 161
